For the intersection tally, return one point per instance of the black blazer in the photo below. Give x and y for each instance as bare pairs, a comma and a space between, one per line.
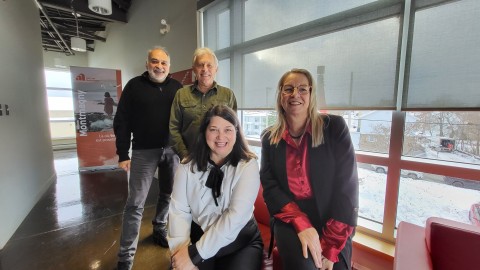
333, 174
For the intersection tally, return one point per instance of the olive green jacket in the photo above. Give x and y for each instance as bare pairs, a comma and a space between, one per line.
188, 109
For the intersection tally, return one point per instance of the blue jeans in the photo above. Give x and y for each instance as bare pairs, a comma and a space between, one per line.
143, 166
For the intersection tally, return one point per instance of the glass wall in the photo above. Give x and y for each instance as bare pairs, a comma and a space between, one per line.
401, 73
351, 64
421, 194
284, 14
438, 75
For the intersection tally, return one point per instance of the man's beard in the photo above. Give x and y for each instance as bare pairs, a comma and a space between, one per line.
156, 78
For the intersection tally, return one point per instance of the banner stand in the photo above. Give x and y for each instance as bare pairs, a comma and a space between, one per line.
96, 92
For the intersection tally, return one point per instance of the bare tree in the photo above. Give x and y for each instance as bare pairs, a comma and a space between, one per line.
469, 132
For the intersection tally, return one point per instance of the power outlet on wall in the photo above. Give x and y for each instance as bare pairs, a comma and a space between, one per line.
4, 110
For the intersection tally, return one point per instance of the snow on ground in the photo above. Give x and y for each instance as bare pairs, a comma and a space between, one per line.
418, 199
455, 156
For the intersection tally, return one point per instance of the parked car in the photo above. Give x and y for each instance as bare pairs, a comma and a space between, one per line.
463, 183
404, 173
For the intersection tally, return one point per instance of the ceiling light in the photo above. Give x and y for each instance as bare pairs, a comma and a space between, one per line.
102, 7
78, 44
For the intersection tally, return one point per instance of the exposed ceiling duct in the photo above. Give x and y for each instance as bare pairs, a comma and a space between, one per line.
59, 23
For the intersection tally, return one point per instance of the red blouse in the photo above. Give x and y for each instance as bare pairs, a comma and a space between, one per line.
335, 233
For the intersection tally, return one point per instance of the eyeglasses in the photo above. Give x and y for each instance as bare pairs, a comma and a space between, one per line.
289, 90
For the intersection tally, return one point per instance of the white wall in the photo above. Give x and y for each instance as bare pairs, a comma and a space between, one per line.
26, 158
127, 44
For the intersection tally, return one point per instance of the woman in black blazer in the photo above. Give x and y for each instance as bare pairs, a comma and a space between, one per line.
309, 176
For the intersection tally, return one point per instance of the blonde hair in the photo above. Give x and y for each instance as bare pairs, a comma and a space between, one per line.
316, 120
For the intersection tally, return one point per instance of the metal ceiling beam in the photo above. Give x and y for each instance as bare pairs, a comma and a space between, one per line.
86, 36
58, 24
82, 27
118, 15
53, 42
42, 9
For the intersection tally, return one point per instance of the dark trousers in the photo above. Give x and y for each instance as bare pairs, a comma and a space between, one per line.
290, 248
143, 165
243, 253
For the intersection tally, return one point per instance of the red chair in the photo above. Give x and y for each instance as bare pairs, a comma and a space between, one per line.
442, 245
263, 219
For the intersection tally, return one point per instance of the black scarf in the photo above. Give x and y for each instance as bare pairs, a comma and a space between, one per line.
214, 180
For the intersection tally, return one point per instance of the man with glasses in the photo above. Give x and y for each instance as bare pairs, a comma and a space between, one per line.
193, 101
144, 111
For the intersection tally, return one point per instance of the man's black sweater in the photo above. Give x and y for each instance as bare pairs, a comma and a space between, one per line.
144, 110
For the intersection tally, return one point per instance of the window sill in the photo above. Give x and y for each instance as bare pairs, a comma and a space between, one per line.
374, 246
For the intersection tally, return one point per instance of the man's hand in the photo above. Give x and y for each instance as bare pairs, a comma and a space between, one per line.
181, 260
310, 241
125, 165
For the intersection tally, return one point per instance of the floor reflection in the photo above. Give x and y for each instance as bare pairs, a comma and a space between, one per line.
76, 224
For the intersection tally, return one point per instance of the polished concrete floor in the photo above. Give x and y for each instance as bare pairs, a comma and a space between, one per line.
76, 224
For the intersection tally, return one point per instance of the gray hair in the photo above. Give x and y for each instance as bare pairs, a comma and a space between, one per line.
157, 48
202, 51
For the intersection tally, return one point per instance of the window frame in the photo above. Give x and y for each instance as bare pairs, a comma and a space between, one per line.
378, 10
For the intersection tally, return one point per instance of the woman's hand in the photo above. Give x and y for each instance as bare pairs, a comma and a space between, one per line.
310, 240
327, 264
181, 260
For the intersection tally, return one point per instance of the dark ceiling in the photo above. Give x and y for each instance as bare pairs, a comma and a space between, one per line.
58, 24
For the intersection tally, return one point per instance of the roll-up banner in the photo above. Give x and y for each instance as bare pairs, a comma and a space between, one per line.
96, 92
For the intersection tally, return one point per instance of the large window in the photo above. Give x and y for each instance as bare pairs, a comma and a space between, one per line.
281, 15
438, 75
352, 63
422, 192
60, 104
440, 138
401, 73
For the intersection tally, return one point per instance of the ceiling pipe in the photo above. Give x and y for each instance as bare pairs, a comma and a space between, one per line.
53, 26
77, 43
